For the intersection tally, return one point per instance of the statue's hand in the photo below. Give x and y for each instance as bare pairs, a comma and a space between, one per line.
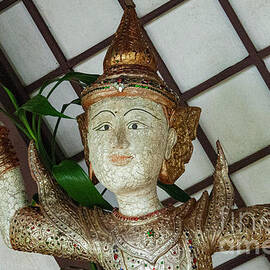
221, 199
222, 164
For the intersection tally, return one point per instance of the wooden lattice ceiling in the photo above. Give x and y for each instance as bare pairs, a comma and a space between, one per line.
254, 58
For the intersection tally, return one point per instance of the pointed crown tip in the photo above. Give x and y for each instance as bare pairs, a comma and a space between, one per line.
129, 46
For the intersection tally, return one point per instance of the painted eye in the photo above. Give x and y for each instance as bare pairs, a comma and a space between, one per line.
136, 125
103, 127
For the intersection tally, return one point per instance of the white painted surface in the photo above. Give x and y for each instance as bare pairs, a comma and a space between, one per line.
253, 182
93, 65
267, 62
254, 16
221, 257
257, 263
24, 45
79, 25
143, 7
237, 112
196, 41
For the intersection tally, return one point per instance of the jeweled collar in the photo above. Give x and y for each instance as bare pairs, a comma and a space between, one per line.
156, 213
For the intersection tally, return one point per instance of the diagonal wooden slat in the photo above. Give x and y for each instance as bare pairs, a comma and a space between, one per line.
216, 79
239, 260
250, 47
93, 50
6, 4
45, 32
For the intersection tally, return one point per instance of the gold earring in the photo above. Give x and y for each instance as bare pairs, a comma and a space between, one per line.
90, 171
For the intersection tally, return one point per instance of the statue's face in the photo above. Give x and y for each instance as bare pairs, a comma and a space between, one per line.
128, 139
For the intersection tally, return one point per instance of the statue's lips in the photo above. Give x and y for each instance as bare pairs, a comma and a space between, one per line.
120, 160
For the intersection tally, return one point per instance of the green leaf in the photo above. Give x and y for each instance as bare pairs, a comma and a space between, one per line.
35, 200
11, 96
86, 79
46, 83
72, 178
22, 116
40, 105
93, 266
53, 142
175, 192
17, 123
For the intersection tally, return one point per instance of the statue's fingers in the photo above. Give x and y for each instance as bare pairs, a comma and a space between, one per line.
222, 162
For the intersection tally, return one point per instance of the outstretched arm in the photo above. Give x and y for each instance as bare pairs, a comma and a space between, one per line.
12, 191
248, 228
56, 227
227, 229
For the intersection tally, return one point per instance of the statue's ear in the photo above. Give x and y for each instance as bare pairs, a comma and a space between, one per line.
82, 121
192, 116
171, 141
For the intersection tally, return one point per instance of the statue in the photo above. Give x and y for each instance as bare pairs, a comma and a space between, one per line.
134, 132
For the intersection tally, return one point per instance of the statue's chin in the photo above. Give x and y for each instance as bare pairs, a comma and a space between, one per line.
122, 174
125, 179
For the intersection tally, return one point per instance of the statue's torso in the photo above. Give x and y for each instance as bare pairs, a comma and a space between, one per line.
158, 241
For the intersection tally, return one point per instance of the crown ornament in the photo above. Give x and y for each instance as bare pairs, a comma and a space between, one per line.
130, 67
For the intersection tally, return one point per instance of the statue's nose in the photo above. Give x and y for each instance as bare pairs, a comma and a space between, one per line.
120, 138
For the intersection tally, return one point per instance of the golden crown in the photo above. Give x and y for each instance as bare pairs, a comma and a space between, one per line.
130, 67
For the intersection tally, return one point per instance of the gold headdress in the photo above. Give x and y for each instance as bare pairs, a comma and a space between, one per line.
130, 70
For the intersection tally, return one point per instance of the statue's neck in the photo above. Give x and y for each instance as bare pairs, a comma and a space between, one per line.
139, 202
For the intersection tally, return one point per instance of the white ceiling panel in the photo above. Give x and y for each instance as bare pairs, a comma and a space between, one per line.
254, 16
68, 136
143, 7
197, 41
24, 45
237, 112
92, 21
267, 62
222, 257
93, 65
257, 263
253, 182
198, 168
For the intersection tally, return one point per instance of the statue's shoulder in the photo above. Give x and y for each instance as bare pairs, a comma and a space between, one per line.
98, 220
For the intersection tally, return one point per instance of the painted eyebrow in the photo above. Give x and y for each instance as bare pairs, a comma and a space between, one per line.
138, 109
102, 112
